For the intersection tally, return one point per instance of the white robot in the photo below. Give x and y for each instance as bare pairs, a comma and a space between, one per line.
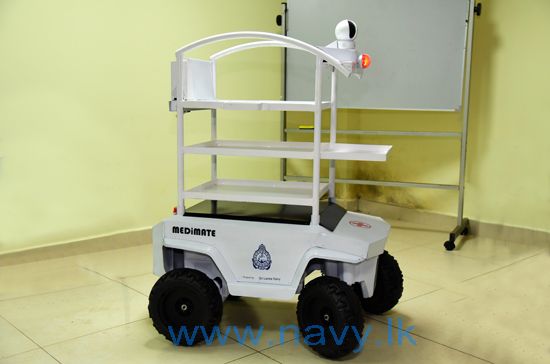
262, 239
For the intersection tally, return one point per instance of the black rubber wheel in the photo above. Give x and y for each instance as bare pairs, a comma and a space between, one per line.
327, 301
388, 287
449, 245
185, 297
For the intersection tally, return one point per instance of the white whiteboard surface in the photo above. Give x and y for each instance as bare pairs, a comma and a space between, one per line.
417, 49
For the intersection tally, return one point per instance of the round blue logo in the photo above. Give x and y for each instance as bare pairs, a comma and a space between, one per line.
261, 258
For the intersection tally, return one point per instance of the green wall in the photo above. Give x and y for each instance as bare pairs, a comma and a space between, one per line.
87, 144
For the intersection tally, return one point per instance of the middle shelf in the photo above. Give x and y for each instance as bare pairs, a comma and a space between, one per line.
283, 192
298, 150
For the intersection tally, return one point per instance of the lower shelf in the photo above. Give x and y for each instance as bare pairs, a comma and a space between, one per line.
330, 214
282, 192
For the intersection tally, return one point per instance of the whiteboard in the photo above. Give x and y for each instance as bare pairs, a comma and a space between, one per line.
417, 49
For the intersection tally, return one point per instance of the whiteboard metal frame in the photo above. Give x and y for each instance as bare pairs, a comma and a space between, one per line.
462, 223
421, 45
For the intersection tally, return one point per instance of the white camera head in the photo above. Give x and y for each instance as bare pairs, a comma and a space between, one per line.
346, 32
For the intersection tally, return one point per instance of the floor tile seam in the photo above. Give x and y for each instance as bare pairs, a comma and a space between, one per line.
503, 267
114, 280
436, 342
30, 339
52, 292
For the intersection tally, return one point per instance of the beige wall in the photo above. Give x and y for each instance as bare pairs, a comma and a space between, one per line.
87, 145
508, 172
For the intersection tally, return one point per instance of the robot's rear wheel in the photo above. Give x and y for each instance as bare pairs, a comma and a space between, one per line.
325, 302
185, 297
388, 288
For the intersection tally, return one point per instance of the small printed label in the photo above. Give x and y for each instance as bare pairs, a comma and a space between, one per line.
360, 224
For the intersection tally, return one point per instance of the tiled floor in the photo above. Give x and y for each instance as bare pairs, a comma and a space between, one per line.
489, 301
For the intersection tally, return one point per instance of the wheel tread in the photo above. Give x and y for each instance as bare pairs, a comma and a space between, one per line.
200, 281
347, 304
389, 286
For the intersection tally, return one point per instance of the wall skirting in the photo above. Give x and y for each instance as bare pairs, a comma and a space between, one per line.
143, 236
447, 223
89, 245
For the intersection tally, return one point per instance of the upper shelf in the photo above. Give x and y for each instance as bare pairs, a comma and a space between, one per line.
263, 105
298, 150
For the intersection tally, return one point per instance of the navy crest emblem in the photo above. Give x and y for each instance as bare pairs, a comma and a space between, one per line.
261, 258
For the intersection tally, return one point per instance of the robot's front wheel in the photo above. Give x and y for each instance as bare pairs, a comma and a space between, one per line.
328, 302
185, 298
388, 287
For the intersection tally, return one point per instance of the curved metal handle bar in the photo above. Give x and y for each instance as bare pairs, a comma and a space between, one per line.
251, 45
287, 41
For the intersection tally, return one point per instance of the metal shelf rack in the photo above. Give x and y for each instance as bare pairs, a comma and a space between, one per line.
194, 88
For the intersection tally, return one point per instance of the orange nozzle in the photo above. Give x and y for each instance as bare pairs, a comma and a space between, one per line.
365, 60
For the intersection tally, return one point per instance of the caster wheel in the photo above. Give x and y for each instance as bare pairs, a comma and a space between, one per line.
328, 302
388, 287
449, 245
185, 297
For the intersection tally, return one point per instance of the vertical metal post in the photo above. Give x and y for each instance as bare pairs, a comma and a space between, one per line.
180, 129
283, 86
213, 136
213, 128
317, 142
465, 114
332, 140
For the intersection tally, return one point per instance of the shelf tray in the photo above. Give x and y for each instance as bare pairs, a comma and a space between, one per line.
282, 192
298, 150
252, 148
264, 105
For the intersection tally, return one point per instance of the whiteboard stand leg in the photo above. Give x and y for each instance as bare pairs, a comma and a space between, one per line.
463, 224
462, 229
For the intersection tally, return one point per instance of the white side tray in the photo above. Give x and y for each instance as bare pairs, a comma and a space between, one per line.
298, 150
355, 152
